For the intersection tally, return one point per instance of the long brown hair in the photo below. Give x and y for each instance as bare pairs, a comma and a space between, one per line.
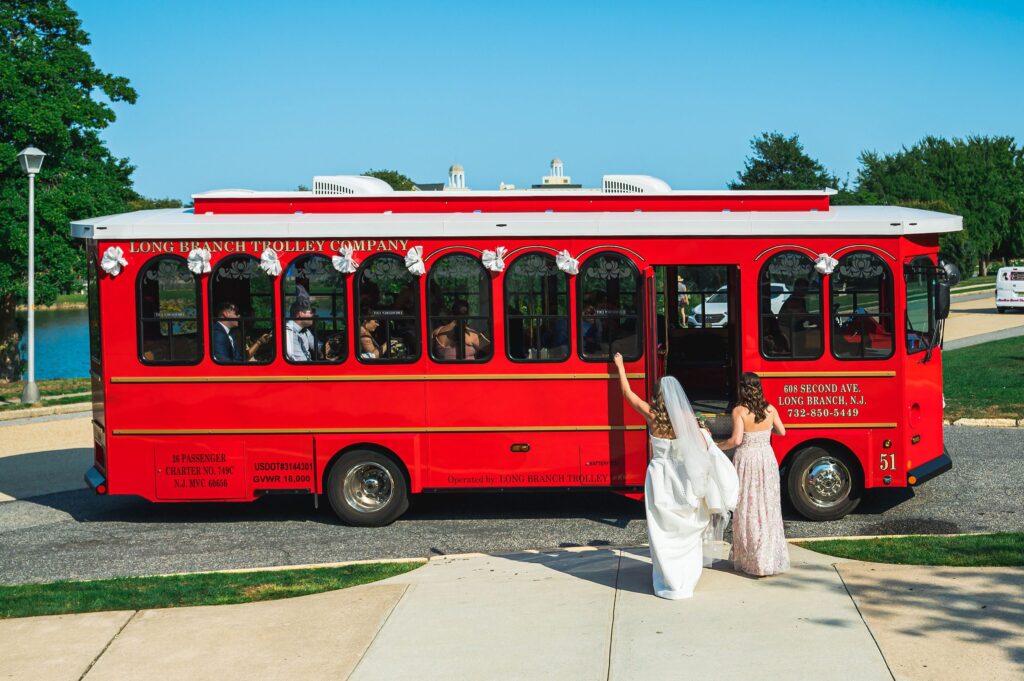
752, 396
661, 425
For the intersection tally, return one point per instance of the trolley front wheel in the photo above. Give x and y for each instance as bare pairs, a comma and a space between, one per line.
367, 489
823, 485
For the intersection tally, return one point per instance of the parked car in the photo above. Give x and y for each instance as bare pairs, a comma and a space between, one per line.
1009, 288
717, 304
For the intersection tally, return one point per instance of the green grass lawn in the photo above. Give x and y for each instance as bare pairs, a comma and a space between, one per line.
985, 381
214, 588
981, 550
10, 393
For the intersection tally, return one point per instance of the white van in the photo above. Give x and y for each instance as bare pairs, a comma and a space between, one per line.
1009, 288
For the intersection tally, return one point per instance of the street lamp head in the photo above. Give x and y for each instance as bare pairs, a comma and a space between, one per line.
31, 160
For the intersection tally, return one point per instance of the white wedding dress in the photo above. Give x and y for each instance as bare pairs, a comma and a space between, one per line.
691, 489
674, 525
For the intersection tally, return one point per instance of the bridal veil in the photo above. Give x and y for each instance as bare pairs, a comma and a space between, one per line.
710, 476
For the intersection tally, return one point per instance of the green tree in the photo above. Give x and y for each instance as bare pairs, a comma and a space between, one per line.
780, 162
48, 88
980, 178
397, 180
143, 203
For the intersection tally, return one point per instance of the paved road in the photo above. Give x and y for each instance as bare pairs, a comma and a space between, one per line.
75, 534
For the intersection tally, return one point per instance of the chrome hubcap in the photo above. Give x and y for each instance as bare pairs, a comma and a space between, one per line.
368, 487
826, 481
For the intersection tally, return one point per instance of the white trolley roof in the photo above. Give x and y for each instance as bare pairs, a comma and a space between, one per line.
177, 223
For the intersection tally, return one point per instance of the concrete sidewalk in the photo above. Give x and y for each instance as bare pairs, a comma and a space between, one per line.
567, 615
563, 615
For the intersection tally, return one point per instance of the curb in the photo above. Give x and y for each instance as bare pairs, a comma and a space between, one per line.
16, 414
858, 537
986, 423
305, 566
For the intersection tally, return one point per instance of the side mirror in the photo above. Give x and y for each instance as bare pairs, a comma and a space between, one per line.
942, 299
952, 272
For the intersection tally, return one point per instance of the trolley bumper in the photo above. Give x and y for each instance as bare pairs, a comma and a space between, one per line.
931, 469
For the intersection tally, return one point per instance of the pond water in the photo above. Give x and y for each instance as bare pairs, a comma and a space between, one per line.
62, 343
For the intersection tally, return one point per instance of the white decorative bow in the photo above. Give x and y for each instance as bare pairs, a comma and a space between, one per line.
113, 260
495, 260
270, 263
199, 260
414, 261
344, 262
825, 263
567, 263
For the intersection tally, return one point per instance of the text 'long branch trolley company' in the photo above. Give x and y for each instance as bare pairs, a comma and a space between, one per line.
370, 344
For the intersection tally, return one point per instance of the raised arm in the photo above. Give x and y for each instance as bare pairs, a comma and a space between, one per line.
736, 439
634, 401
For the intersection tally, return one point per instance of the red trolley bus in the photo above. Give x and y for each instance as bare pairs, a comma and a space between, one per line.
370, 344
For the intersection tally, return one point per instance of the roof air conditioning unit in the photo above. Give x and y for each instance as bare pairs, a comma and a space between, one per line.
634, 184
349, 185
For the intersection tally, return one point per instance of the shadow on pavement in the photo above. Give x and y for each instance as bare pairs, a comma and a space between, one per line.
972, 607
603, 508
29, 475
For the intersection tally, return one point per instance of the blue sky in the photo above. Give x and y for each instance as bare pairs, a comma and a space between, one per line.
265, 95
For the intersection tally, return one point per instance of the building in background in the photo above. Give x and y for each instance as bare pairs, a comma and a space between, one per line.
456, 178
557, 179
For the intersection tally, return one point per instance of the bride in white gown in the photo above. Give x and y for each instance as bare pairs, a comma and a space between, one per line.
690, 491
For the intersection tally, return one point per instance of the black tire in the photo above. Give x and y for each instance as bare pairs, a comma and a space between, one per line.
1000, 310
823, 484
367, 489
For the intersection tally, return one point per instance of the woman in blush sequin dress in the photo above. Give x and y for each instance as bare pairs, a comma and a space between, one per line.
758, 537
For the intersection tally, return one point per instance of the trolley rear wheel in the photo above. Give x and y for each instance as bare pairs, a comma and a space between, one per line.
367, 489
824, 485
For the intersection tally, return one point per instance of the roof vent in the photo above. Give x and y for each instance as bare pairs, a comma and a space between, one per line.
634, 184
349, 185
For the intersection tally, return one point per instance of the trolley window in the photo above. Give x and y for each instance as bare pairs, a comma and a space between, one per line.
168, 312
789, 305
242, 312
536, 310
920, 277
93, 301
861, 304
315, 323
388, 327
459, 302
609, 308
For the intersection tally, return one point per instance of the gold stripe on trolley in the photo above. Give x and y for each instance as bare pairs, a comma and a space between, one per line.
345, 431
365, 378
826, 374
805, 426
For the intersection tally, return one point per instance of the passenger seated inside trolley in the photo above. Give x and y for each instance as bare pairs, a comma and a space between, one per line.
456, 340
300, 343
229, 334
369, 347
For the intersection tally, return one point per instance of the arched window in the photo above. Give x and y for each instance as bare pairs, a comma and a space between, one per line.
241, 312
789, 305
168, 312
861, 305
389, 307
609, 308
536, 310
459, 310
313, 301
